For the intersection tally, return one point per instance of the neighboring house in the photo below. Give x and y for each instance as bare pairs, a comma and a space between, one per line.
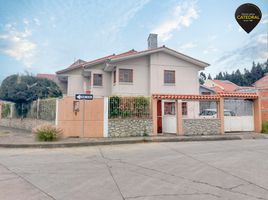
157, 70
221, 85
262, 83
261, 86
225, 86
203, 90
47, 76
54, 78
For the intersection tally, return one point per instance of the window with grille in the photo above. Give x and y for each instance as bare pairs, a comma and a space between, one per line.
126, 75
97, 79
169, 76
184, 108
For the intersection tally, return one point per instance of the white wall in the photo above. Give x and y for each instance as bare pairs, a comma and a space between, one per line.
186, 75
140, 85
75, 85
105, 89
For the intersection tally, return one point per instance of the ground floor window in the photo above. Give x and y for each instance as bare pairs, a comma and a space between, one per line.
184, 108
169, 108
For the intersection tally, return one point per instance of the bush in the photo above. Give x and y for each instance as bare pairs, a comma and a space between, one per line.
47, 133
265, 127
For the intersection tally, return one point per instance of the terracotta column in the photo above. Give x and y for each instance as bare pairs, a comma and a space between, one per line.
154, 115
179, 117
221, 113
257, 115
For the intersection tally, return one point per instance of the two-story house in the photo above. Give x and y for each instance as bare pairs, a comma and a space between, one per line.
157, 70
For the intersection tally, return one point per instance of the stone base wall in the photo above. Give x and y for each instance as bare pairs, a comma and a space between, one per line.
201, 126
130, 127
26, 123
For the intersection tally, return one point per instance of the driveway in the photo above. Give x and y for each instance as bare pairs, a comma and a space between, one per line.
155, 171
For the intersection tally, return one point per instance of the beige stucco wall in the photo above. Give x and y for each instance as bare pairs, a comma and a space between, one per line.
105, 89
140, 85
75, 85
186, 75
148, 77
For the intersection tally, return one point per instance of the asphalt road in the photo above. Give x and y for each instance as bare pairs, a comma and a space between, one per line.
155, 171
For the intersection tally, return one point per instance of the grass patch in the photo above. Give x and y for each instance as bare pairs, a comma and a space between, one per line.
264, 127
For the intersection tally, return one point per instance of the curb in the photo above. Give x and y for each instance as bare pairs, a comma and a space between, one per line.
122, 141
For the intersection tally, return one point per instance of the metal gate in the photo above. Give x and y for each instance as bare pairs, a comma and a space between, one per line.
238, 115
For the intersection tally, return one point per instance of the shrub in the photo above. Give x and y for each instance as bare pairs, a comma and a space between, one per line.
265, 127
47, 133
6, 110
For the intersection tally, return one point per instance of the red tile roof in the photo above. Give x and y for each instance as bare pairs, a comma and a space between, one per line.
48, 76
227, 86
262, 83
82, 64
205, 97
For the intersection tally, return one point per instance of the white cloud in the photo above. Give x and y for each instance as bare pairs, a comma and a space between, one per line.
262, 38
264, 19
188, 45
182, 16
36, 21
25, 21
128, 15
17, 45
210, 49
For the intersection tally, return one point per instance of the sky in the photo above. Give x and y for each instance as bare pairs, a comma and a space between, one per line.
48, 35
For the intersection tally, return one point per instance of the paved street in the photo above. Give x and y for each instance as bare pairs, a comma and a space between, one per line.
155, 171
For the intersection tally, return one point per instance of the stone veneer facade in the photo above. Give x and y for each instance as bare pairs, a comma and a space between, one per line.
130, 127
201, 126
26, 123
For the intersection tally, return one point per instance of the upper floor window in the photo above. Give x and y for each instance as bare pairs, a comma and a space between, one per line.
97, 79
169, 76
126, 75
114, 76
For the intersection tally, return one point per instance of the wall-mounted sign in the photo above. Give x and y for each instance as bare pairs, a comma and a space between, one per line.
248, 16
84, 96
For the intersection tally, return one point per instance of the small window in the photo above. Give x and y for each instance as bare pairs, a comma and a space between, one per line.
184, 108
126, 75
114, 76
169, 108
206, 93
169, 76
97, 79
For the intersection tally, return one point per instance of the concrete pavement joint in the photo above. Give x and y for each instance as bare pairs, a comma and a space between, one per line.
225, 172
27, 181
188, 179
111, 173
174, 195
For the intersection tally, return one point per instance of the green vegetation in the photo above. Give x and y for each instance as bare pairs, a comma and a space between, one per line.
246, 78
47, 133
24, 89
122, 107
264, 127
6, 110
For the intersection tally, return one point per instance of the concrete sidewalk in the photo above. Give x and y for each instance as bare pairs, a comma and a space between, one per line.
15, 138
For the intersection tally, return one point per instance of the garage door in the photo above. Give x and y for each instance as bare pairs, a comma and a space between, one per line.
238, 115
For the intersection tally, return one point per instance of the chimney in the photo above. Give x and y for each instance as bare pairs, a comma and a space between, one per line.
152, 41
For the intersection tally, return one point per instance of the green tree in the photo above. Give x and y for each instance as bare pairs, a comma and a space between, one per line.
23, 89
209, 77
202, 78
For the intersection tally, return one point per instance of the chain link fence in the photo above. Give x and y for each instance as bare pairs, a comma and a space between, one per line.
44, 109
